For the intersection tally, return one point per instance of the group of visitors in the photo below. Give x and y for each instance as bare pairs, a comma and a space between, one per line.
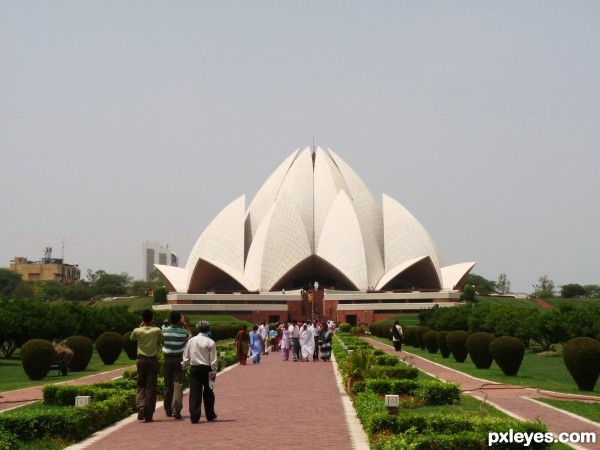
305, 340
180, 349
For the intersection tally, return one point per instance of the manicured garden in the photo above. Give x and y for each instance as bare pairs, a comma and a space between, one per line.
56, 423
432, 414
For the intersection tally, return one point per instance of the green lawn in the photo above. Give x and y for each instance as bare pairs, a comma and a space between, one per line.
590, 411
537, 371
12, 375
134, 304
518, 302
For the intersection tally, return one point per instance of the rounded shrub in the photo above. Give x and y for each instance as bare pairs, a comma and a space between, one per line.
478, 346
83, 348
129, 346
582, 358
345, 327
430, 340
358, 330
442, 344
109, 346
410, 336
421, 330
457, 343
37, 355
508, 353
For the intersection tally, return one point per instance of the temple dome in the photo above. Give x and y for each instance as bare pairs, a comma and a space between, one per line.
314, 219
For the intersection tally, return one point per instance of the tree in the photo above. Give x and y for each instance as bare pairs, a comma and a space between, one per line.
503, 284
111, 283
545, 287
8, 282
160, 295
78, 291
592, 290
47, 290
482, 286
572, 290
468, 294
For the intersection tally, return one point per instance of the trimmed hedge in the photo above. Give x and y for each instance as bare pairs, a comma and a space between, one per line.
457, 343
37, 356
442, 344
430, 340
109, 346
65, 395
386, 360
508, 352
345, 327
415, 430
421, 330
430, 392
472, 431
83, 349
129, 346
410, 336
69, 423
399, 372
478, 346
582, 358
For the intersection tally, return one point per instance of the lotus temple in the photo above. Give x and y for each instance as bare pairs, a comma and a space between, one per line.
313, 242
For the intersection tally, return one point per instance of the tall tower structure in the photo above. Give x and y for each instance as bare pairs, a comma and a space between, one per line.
156, 253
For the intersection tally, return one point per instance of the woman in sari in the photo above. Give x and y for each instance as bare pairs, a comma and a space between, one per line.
242, 344
255, 344
326, 343
307, 342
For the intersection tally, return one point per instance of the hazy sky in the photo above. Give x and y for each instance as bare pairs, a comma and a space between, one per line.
128, 121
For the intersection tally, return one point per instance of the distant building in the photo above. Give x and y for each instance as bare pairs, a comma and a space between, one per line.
47, 269
155, 253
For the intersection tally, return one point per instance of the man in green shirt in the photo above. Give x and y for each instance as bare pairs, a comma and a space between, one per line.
174, 338
148, 337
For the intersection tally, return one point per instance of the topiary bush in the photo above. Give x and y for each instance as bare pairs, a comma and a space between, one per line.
345, 327
129, 346
430, 340
442, 344
508, 353
457, 343
83, 348
478, 346
421, 330
582, 358
37, 355
109, 346
410, 336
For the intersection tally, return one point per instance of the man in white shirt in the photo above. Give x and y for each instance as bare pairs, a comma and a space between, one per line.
201, 352
264, 336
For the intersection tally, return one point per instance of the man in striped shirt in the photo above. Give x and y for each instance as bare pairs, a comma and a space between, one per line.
174, 338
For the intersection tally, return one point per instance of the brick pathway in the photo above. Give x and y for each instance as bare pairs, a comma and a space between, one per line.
275, 404
515, 401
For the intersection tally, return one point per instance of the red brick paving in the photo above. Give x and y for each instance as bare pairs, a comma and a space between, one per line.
274, 404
